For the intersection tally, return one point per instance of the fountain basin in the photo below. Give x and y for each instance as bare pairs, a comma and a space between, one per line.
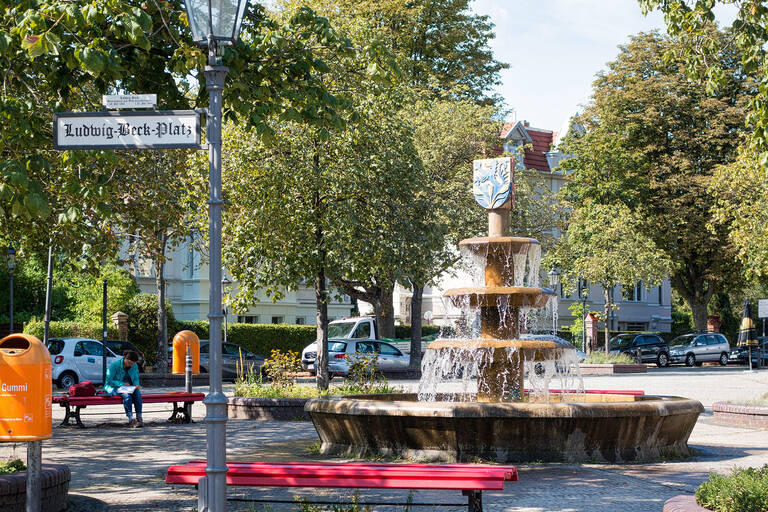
493, 296
604, 427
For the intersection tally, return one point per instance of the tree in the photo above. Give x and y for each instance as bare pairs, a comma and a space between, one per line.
604, 244
702, 48
651, 140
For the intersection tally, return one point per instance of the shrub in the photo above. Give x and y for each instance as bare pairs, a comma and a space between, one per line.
12, 466
69, 329
281, 366
598, 357
364, 371
744, 490
142, 324
85, 292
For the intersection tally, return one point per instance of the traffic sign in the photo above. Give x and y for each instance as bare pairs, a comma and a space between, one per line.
127, 130
762, 308
125, 101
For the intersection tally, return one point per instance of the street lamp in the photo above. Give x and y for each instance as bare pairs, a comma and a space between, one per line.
584, 295
554, 280
215, 23
11, 268
225, 283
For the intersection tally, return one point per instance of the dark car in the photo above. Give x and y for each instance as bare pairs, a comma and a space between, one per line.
739, 355
643, 347
119, 348
231, 355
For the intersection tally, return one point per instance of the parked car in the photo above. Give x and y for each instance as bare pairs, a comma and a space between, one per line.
644, 347
230, 358
739, 355
119, 347
696, 348
339, 351
77, 359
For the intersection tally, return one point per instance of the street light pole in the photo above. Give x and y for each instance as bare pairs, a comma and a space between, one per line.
11, 268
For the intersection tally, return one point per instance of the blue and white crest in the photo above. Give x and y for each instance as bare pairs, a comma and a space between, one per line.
492, 182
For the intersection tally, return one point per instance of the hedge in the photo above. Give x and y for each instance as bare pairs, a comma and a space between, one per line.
403, 332
69, 329
259, 338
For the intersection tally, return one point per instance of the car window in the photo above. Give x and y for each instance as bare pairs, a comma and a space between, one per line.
366, 347
337, 346
685, 339
55, 346
712, 340
204, 348
622, 340
363, 331
92, 348
388, 350
233, 350
643, 340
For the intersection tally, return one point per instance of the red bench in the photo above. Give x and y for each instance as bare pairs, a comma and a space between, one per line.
471, 479
181, 413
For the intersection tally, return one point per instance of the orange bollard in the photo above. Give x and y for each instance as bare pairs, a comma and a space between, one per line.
180, 342
25, 389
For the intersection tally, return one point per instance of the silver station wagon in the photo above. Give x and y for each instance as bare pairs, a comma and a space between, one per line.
697, 348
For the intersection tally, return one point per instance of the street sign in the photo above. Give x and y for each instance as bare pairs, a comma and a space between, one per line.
126, 130
125, 101
762, 308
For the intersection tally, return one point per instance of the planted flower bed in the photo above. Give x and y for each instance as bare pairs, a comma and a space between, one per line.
13, 487
744, 490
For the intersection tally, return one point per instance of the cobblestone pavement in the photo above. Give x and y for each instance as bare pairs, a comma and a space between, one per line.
115, 468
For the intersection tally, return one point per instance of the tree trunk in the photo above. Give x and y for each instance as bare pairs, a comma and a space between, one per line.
416, 302
386, 315
607, 312
161, 366
321, 361
697, 294
699, 312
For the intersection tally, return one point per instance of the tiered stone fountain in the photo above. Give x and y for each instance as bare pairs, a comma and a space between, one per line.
499, 419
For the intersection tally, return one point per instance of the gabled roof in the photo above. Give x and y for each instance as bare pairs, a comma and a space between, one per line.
540, 140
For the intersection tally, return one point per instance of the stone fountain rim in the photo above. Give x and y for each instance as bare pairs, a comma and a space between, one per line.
656, 405
498, 240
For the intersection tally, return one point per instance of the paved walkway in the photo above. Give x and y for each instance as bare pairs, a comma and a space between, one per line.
115, 468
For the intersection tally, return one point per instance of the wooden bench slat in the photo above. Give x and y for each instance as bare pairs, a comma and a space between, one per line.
175, 397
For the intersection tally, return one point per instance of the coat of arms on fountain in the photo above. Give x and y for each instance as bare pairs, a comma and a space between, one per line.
493, 182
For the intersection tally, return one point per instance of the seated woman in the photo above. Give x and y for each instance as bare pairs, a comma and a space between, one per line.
123, 380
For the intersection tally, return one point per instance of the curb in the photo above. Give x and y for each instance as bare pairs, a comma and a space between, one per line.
55, 488
683, 503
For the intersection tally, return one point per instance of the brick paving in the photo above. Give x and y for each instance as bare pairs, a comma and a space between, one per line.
115, 468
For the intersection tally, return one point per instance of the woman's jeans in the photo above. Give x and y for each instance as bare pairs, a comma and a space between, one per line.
135, 399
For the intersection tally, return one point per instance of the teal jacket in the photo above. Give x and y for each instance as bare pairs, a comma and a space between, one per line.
116, 376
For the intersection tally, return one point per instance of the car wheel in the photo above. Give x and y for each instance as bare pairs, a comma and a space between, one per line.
663, 360
67, 379
690, 360
723, 359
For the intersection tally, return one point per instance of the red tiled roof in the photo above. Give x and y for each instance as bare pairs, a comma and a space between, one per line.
534, 157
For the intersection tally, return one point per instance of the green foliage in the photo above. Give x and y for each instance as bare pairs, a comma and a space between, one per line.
403, 331
599, 357
282, 367
142, 324
71, 329
29, 284
364, 371
257, 338
251, 387
744, 490
12, 466
85, 292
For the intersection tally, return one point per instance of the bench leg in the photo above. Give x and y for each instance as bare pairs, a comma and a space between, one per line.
474, 500
69, 414
182, 413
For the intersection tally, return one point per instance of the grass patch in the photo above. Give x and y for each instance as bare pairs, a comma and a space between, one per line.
11, 466
744, 490
761, 401
267, 390
603, 358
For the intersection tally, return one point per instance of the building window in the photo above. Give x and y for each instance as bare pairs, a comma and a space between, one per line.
661, 302
632, 293
300, 320
277, 319
635, 326
248, 319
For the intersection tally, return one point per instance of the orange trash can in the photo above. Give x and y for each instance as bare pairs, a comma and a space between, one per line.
25, 389
180, 343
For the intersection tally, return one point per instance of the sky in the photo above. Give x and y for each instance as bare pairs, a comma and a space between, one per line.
556, 47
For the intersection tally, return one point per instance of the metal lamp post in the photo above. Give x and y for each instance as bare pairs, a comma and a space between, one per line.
584, 295
215, 23
11, 268
554, 280
225, 283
